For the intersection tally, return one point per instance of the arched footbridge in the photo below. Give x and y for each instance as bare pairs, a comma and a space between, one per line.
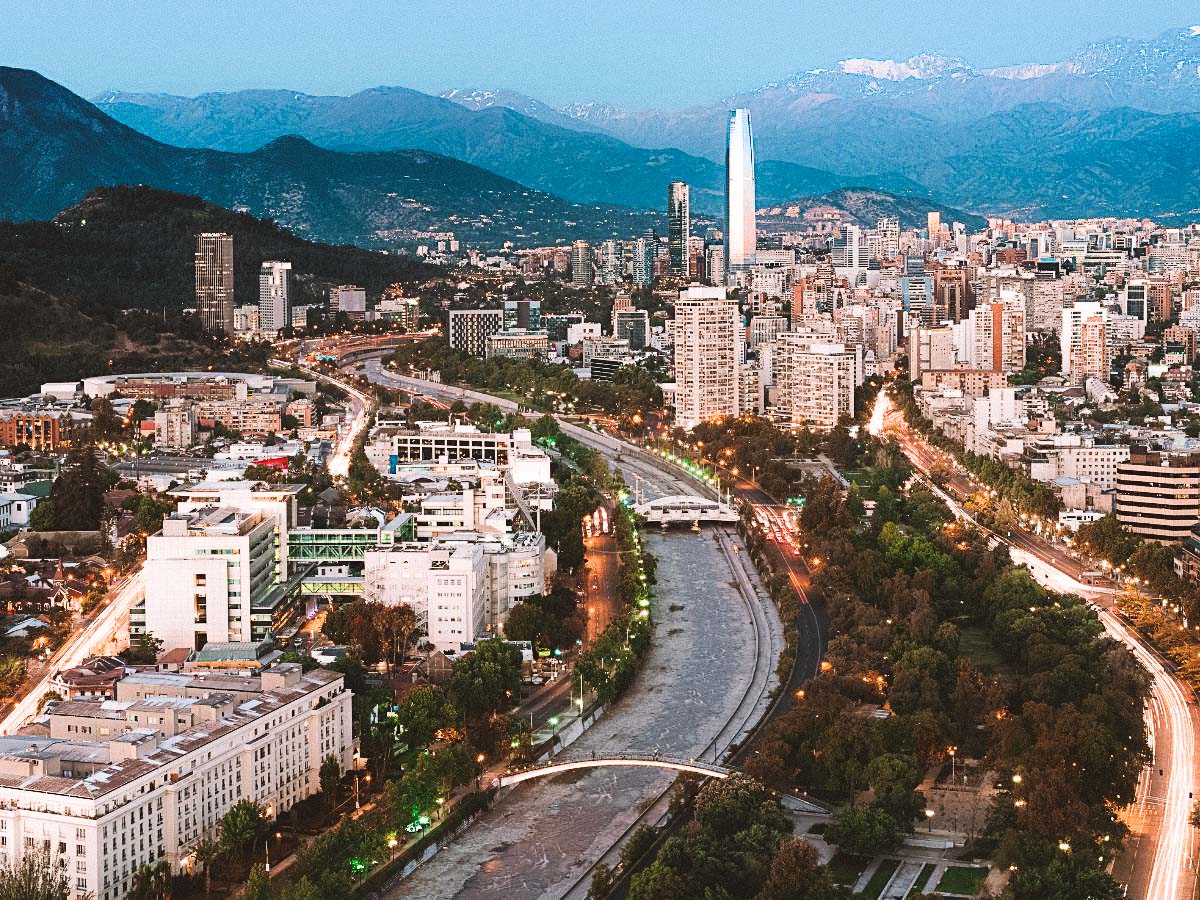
648, 761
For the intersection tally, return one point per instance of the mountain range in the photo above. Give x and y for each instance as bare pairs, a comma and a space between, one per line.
1105, 131
56, 146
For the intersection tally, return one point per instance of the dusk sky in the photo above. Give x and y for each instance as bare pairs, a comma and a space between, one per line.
667, 55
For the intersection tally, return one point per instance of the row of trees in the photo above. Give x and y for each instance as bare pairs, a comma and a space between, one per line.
1051, 701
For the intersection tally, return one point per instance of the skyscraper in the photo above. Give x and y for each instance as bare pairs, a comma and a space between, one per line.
643, 262
679, 227
582, 270
214, 281
274, 308
740, 232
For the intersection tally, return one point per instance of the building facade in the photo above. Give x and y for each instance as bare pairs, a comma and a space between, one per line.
679, 226
214, 281
741, 236
274, 297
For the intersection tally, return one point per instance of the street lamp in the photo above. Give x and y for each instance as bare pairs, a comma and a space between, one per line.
392, 843
929, 817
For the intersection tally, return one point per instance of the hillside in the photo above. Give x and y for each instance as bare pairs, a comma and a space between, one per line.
55, 147
126, 247
865, 208
503, 133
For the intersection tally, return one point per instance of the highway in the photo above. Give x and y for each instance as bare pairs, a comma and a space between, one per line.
97, 636
358, 419
1157, 862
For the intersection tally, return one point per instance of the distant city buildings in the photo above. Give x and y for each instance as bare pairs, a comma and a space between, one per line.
214, 282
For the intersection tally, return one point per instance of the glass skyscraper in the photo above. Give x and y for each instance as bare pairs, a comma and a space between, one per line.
740, 232
679, 227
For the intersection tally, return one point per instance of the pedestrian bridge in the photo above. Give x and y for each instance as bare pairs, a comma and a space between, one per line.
685, 509
649, 761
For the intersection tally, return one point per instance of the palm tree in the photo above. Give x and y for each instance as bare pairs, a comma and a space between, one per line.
208, 852
152, 882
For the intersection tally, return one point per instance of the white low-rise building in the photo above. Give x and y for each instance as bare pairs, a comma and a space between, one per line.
147, 777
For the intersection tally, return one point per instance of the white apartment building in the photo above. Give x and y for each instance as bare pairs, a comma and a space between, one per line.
274, 299
708, 352
245, 320
765, 329
1075, 456
115, 797
814, 382
470, 329
1084, 342
445, 584
930, 348
174, 426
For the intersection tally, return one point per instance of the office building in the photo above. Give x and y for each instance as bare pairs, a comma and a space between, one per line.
404, 311
524, 314
214, 281
633, 326
679, 227
582, 270
351, 301
708, 353
517, 344
470, 329
1158, 494
274, 298
610, 263
740, 231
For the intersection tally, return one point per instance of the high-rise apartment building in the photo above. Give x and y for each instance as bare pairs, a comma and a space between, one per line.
999, 337
814, 381
1084, 342
679, 226
274, 298
214, 281
610, 263
582, 271
930, 349
741, 235
643, 262
708, 339
470, 329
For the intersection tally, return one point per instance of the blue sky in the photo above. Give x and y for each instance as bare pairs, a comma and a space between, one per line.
666, 55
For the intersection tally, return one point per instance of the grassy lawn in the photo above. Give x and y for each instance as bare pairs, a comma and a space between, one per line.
866, 489
880, 879
922, 879
845, 868
974, 642
962, 880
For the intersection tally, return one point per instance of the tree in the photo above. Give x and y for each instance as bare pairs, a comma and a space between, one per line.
49, 697
425, 710
796, 872
330, 776
34, 877
207, 853
867, 830
395, 626
258, 887
144, 651
486, 681
241, 827
78, 493
151, 882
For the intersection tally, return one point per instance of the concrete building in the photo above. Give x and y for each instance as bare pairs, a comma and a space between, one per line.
274, 297
1084, 342
349, 300
38, 427
632, 325
583, 271
930, 349
517, 344
999, 337
708, 352
245, 320
214, 281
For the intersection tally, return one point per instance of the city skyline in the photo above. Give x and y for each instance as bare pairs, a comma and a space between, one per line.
470, 56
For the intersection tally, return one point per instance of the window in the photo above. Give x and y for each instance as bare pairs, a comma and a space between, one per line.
201, 579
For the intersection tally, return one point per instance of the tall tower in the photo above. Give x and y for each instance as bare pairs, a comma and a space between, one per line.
740, 232
679, 227
582, 271
214, 281
274, 308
